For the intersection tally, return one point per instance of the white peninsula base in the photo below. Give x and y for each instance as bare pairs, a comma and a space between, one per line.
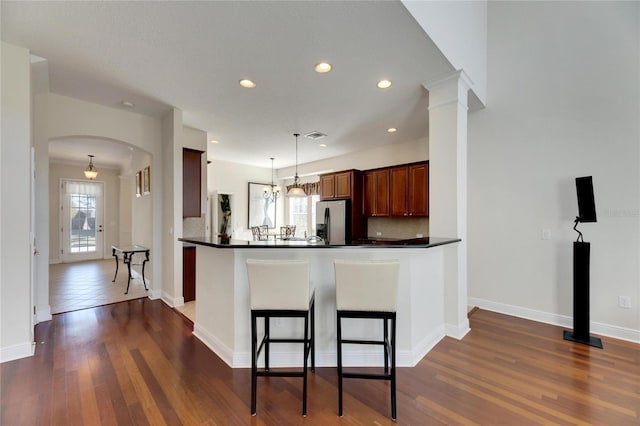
223, 314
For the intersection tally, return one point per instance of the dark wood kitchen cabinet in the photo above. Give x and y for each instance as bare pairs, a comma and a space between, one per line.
376, 193
409, 191
191, 182
339, 185
189, 273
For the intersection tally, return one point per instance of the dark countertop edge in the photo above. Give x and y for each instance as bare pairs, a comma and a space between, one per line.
241, 244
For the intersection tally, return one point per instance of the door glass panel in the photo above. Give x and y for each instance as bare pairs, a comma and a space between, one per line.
83, 223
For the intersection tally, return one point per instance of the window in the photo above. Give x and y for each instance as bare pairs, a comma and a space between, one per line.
83, 223
302, 214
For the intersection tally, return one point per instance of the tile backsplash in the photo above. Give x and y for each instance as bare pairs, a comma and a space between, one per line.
194, 227
391, 227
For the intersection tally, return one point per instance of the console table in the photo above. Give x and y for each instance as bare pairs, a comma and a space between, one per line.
127, 257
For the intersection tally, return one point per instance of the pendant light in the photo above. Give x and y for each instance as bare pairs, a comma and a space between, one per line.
91, 172
273, 193
296, 190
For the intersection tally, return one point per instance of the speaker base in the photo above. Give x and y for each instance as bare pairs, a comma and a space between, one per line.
596, 342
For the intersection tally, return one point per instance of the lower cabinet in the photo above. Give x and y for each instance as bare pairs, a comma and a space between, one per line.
189, 273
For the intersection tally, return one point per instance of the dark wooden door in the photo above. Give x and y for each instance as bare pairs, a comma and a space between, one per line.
189, 273
418, 200
399, 181
191, 182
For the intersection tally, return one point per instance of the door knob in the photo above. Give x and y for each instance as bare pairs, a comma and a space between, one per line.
36, 252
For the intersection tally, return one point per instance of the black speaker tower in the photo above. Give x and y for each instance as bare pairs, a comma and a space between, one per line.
581, 319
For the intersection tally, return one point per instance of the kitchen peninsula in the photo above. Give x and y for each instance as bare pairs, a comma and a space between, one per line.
222, 305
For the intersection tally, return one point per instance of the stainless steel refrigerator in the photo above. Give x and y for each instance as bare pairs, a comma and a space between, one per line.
333, 221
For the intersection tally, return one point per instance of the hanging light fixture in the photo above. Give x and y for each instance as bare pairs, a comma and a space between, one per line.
273, 192
296, 190
91, 172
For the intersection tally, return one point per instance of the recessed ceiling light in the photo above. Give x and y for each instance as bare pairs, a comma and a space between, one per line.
247, 83
323, 67
384, 84
392, 130
127, 104
323, 145
214, 141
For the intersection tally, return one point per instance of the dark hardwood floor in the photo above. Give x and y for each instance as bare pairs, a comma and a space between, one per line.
137, 362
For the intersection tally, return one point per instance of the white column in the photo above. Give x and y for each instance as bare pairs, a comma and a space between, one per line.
448, 189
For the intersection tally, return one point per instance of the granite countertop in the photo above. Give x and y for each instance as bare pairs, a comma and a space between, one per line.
303, 243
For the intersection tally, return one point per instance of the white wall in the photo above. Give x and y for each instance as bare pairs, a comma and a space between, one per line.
72, 117
111, 222
564, 101
39, 93
459, 29
232, 178
16, 329
142, 206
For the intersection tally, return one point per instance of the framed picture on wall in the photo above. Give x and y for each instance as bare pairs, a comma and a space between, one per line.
262, 210
146, 180
139, 183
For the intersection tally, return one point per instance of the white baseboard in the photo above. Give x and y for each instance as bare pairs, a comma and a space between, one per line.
350, 358
169, 300
457, 331
43, 315
155, 294
18, 351
219, 348
609, 330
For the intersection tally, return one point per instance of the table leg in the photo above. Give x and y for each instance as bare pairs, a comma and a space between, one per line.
113, 252
127, 260
143, 263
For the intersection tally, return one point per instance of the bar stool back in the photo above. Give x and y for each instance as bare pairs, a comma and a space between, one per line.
280, 288
368, 289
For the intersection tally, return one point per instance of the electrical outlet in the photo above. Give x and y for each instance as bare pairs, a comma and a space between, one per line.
546, 234
624, 302
419, 235
278, 322
378, 234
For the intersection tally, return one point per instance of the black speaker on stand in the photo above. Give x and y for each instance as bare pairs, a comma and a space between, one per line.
581, 259
581, 319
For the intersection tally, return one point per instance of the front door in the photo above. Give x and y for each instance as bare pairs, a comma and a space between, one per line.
81, 220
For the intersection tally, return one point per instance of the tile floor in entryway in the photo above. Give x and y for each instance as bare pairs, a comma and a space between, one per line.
81, 285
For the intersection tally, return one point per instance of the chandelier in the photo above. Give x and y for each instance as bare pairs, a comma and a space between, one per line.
273, 192
296, 190
91, 172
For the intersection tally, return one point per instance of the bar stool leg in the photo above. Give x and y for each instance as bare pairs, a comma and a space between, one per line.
305, 353
385, 346
393, 366
266, 342
339, 338
254, 363
313, 338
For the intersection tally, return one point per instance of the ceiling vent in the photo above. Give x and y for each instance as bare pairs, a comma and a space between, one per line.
315, 135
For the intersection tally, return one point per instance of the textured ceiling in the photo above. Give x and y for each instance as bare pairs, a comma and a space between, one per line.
190, 55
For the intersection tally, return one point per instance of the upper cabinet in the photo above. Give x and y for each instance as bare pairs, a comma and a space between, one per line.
191, 182
376, 193
399, 191
410, 190
338, 186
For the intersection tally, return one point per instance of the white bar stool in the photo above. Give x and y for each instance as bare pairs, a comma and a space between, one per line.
368, 289
280, 288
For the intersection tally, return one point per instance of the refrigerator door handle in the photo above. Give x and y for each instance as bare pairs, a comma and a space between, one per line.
327, 223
